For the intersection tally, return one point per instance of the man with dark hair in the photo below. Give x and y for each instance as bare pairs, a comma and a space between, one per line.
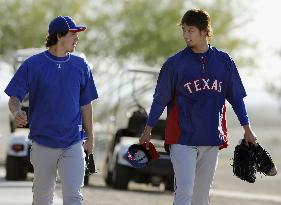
61, 88
194, 84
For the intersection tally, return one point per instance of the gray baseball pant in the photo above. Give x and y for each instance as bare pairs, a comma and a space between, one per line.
194, 168
70, 165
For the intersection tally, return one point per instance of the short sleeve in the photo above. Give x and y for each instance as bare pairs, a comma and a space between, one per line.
18, 86
235, 89
88, 88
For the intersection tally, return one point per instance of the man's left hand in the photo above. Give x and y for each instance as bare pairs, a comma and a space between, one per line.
88, 145
250, 137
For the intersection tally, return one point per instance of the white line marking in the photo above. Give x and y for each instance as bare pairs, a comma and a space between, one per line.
243, 195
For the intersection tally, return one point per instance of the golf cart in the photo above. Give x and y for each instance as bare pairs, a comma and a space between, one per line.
130, 118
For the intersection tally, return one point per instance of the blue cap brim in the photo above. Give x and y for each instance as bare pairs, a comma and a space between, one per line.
78, 29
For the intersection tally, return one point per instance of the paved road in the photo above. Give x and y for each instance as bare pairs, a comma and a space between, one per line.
227, 190
18, 192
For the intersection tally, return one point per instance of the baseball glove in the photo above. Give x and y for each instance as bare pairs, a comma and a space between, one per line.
244, 162
90, 164
250, 159
265, 164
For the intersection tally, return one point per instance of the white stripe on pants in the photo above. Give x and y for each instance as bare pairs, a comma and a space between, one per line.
69, 163
194, 168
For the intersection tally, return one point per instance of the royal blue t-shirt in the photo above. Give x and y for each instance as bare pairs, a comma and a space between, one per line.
57, 88
194, 87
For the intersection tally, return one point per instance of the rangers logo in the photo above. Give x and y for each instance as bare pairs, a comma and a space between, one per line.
203, 84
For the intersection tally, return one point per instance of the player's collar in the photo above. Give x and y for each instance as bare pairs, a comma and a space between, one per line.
206, 54
56, 58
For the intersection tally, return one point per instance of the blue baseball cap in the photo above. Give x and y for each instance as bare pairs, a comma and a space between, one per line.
139, 157
64, 23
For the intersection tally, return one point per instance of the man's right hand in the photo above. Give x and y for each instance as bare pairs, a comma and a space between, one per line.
146, 136
20, 118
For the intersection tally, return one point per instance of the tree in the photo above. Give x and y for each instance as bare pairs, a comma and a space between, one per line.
148, 30
143, 30
140, 29
25, 23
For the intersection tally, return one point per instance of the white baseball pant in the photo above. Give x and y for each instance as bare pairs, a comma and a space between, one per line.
70, 165
194, 168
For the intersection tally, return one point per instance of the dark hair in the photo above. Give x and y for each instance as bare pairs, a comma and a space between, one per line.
53, 38
200, 19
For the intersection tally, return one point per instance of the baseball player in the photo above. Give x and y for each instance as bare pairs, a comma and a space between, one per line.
60, 87
194, 84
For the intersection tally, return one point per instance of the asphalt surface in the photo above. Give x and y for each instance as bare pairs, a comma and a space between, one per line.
227, 189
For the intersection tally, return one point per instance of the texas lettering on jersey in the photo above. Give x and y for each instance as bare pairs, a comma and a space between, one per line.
203, 84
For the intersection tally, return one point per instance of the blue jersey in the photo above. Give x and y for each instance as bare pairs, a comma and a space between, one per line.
57, 88
194, 87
